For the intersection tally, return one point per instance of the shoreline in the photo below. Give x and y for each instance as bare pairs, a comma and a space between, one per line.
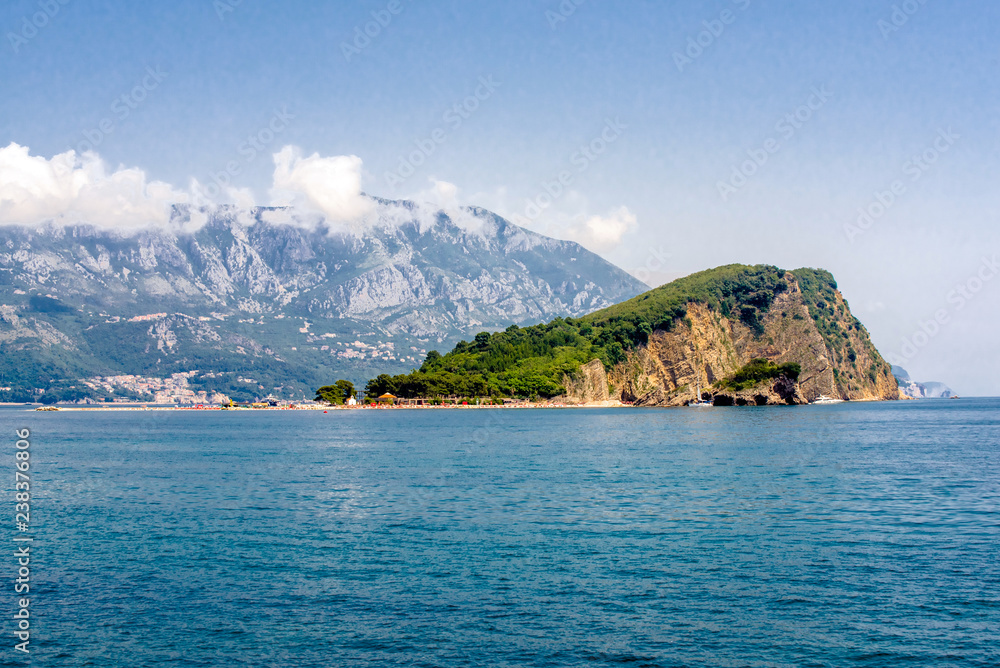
371, 407
94, 409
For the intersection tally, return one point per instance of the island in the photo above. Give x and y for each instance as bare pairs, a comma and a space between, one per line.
737, 335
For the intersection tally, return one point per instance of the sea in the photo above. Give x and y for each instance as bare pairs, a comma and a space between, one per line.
856, 534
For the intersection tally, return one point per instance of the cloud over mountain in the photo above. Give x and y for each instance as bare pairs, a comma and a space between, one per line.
71, 188
330, 186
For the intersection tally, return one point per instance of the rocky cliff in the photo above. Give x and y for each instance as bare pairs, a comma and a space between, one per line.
807, 322
590, 385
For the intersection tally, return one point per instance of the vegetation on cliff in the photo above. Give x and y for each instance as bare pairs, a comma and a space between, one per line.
531, 362
834, 322
737, 291
758, 371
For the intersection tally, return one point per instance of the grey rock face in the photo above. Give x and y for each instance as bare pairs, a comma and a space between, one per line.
410, 277
413, 278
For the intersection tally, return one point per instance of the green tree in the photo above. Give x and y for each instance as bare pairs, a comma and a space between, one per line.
337, 393
331, 394
346, 388
381, 384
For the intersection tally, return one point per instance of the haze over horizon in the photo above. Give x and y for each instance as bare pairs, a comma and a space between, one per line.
857, 137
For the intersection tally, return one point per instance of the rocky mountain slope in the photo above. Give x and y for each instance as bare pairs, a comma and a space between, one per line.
258, 301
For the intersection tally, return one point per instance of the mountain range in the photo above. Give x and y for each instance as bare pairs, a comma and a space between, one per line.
267, 300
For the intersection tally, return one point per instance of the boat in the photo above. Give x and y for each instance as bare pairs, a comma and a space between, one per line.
699, 402
823, 399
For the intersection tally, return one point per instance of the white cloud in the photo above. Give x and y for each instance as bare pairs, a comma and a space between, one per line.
71, 188
443, 196
210, 195
604, 233
569, 218
242, 198
330, 186
295, 217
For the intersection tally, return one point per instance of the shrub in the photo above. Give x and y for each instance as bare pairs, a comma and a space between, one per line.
758, 371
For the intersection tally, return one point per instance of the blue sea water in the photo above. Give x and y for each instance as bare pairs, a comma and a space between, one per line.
846, 535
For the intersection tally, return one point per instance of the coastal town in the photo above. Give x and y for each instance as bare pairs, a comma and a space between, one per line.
171, 390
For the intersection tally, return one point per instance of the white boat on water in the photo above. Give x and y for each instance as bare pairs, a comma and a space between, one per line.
823, 399
699, 402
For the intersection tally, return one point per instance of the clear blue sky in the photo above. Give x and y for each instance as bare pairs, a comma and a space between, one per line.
888, 88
